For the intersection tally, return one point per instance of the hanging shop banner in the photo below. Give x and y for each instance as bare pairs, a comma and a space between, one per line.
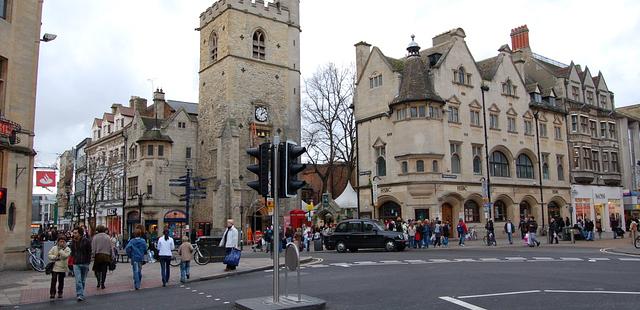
46, 178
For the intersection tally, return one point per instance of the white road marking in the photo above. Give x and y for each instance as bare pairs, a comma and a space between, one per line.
415, 261
217, 299
226, 302
542, 258
345, 265
490, 259
500, 294
365, 263
318, 266
570, 259
598, 258
201, 293
630, 259
461, 303
208, 296
193, 291
439, 260
181, 285
464, 260
515, 258
391, 262
592, 292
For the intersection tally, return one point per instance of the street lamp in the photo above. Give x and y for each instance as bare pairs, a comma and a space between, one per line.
373, 198
140, 196
536, 116
484, 88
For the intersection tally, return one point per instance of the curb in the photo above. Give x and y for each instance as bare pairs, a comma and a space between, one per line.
619, 252
226, 275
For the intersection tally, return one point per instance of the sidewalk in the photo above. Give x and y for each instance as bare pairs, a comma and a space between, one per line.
24, 287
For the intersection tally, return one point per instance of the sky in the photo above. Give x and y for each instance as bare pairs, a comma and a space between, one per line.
109, 50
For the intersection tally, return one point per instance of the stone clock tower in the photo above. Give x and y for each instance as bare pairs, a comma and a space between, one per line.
249, 88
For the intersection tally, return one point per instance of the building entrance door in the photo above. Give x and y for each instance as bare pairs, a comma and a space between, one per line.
447, 215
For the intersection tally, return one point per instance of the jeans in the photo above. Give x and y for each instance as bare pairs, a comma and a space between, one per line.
445, 241
165, 268
426, 239
136, 267
412, 241
57, 277
461, 241
437, 240
80, 272
532, 239
184, 271
589, 236
510, 237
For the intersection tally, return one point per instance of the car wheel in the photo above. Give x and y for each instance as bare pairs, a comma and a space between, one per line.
389, 246
341, 247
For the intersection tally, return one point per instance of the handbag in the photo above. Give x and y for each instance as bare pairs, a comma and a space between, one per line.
49, 268
112, 265
233, 258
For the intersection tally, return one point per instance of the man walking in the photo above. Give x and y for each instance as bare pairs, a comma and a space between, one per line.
523, 227
229, 242
81, 253
462, 231
533, 228
509, 228
553, 231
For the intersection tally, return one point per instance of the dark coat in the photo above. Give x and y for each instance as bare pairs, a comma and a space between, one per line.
81, 251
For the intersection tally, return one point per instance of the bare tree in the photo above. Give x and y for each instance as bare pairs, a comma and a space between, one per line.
328, 128
101, 173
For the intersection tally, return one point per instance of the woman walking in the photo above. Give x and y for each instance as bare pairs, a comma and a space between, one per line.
59, 254
136, 249
101, 253
186, 255
230, 242
165, 246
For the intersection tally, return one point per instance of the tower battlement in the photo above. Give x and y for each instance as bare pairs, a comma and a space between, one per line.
276, 10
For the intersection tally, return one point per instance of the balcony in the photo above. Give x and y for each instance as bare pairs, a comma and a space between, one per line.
611, 178
583, 177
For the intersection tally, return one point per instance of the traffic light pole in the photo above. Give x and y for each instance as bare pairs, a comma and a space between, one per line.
187, 192
276, 221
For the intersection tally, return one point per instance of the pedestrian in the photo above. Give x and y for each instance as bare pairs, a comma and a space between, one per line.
426, 234
437, 230
229, 242
58, 254
268, 238
533, 228
553, 231
491, 233
509, 228
165, 246
101, 251
411, 231
186, 255
136, 249
419, 234
297, 238
446, 231
81, 252
522, 226
461, 228
589, 226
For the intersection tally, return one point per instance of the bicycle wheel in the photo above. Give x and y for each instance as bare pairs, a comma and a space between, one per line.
637, 243
36, 263
175, 259
201, 257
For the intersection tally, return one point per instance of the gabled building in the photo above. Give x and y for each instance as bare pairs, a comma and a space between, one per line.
592, 135
437, 126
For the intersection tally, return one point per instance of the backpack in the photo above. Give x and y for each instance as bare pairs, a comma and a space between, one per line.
460, 229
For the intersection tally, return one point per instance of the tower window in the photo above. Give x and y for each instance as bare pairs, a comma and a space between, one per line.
258, 45
213, 46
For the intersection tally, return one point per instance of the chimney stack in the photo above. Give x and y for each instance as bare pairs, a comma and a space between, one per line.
519, 38
139, 104
158, 103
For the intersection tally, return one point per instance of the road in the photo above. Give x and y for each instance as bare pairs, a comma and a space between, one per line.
454, 278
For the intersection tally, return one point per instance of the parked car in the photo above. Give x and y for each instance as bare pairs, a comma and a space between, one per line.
363, 233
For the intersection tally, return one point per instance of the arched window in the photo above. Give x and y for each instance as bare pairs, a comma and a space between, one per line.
499, 165
381, 166
420, 166
545, 171
213, 46
500, 211
471, 211
455, 163
524, 167
477, 165
434, 166
560, 172
258, 45
525, 209
461, 75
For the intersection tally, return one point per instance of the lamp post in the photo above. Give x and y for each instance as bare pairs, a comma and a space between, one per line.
484, 88
535, 116
374, 197
141, 196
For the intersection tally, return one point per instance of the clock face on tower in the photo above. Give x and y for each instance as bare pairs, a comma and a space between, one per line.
261, 114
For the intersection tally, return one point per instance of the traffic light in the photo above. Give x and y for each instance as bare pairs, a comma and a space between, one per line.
289, 169
261, 169
3, 200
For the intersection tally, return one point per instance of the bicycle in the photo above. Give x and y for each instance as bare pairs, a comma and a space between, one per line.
200, 256
471, 234
490, 240
636, 242
34, 259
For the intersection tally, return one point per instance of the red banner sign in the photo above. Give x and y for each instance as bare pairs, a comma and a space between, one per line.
46, 178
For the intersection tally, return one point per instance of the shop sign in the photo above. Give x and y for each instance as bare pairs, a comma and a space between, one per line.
449, 176
112, 212
45, 178
601, 196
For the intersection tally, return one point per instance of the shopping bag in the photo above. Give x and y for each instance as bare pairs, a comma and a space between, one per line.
233, 258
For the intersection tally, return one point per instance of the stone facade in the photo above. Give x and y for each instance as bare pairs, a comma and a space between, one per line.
421, 136
629, 130
249, 59
19, 50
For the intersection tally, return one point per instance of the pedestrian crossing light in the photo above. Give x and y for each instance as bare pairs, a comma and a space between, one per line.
261, 169
290, 167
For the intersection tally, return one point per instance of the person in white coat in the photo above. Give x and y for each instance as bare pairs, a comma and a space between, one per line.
229, 241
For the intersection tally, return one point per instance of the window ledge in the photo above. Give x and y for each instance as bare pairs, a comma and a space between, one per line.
462, 84
512, 96
513, 132
474, 125
455, 123
495, 129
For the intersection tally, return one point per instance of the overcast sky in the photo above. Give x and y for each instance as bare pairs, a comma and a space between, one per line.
109, 50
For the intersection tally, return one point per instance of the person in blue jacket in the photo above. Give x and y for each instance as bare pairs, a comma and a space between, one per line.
136, 250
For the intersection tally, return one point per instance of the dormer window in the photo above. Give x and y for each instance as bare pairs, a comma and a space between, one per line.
258, 45
552, 101
508, 88
603, 102
536, 97
575, 92
589, 97
461, 76
375, 80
